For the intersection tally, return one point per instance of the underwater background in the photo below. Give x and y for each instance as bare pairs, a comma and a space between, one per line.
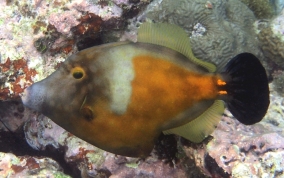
36, 36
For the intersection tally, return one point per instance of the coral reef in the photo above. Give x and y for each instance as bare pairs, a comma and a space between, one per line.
271, 38
13, 115
25, 166
262, 9
278, 5
270, 34
15, 77
272, 46
278, 81
226, 26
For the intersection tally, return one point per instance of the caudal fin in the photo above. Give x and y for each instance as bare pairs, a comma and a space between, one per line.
246, 87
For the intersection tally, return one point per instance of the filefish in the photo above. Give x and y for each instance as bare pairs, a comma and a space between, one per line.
121, 96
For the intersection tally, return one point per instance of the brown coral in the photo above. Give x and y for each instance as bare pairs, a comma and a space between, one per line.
90, 24
272, 46
261, 8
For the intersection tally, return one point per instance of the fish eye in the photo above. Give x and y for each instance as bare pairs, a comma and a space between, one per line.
78, 72
77, 75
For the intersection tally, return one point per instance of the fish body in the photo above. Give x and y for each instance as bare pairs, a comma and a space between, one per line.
121, 96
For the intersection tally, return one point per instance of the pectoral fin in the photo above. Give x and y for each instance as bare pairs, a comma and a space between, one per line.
202, 126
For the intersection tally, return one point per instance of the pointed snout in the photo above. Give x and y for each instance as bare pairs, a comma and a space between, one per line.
33, 97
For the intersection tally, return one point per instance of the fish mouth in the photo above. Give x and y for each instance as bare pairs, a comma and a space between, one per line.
33, 97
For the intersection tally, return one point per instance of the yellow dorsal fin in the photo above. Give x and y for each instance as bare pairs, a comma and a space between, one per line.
170, 36
202, 126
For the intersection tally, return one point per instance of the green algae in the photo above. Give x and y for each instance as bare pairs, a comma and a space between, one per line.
133, 165
61, 175
96, 158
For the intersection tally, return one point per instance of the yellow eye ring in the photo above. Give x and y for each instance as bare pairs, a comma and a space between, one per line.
78, 72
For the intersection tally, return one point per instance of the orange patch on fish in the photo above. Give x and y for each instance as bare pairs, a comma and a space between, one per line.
166, 89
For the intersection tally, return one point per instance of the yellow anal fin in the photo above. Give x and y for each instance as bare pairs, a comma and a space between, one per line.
173, 37
202, 126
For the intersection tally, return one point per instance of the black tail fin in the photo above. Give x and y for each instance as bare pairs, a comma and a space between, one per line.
247, 88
